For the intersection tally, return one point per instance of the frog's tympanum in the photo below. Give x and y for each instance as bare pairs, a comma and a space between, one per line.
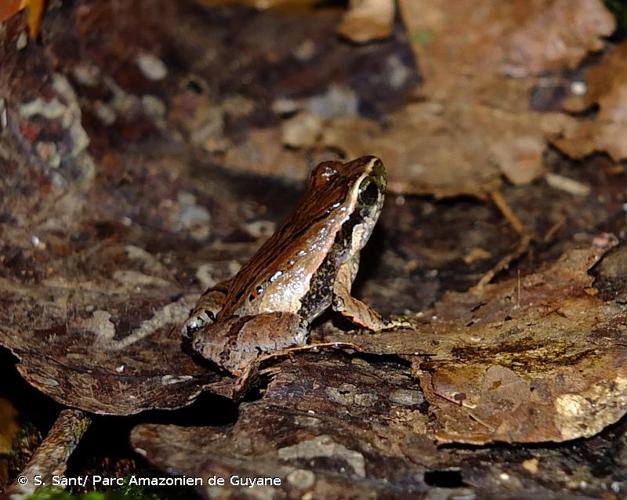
307, 266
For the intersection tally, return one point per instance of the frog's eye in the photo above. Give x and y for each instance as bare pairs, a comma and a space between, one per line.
368, 191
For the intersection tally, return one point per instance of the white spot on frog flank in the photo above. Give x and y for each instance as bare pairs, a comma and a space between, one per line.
578, 88
151, 66
276, 276
87, 74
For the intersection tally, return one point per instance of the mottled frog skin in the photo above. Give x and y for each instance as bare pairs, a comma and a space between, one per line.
305, 267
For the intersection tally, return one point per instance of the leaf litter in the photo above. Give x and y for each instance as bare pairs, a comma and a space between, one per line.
93, 293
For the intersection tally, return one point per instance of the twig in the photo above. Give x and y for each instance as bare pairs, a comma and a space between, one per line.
464, 406
507, 212
521, 248
51, 457
550, 234
501, 265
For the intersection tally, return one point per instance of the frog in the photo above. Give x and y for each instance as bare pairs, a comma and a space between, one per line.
305, 268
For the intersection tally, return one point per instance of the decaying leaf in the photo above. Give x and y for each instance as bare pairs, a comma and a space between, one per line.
264, 154
89, 305
92, 358
540, 358
421, 148
365, 420
456, 51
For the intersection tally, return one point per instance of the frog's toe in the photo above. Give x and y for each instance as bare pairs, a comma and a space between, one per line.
196, 322
400, 322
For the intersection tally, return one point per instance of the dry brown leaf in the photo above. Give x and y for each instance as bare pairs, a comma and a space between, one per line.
9, 8
263, 153
607, 129
476, 122
35, 9
89, 304
463, 45
549, 35
436, 148
368, 20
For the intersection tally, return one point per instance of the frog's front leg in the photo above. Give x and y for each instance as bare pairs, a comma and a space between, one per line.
354, 309
235, 343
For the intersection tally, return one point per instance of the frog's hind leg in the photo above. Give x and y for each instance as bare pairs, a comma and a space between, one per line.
235, 343
354, 309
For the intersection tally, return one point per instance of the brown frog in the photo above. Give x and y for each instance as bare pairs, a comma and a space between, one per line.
305, 267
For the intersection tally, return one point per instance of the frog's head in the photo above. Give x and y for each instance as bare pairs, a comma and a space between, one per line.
356, 189
359, 184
